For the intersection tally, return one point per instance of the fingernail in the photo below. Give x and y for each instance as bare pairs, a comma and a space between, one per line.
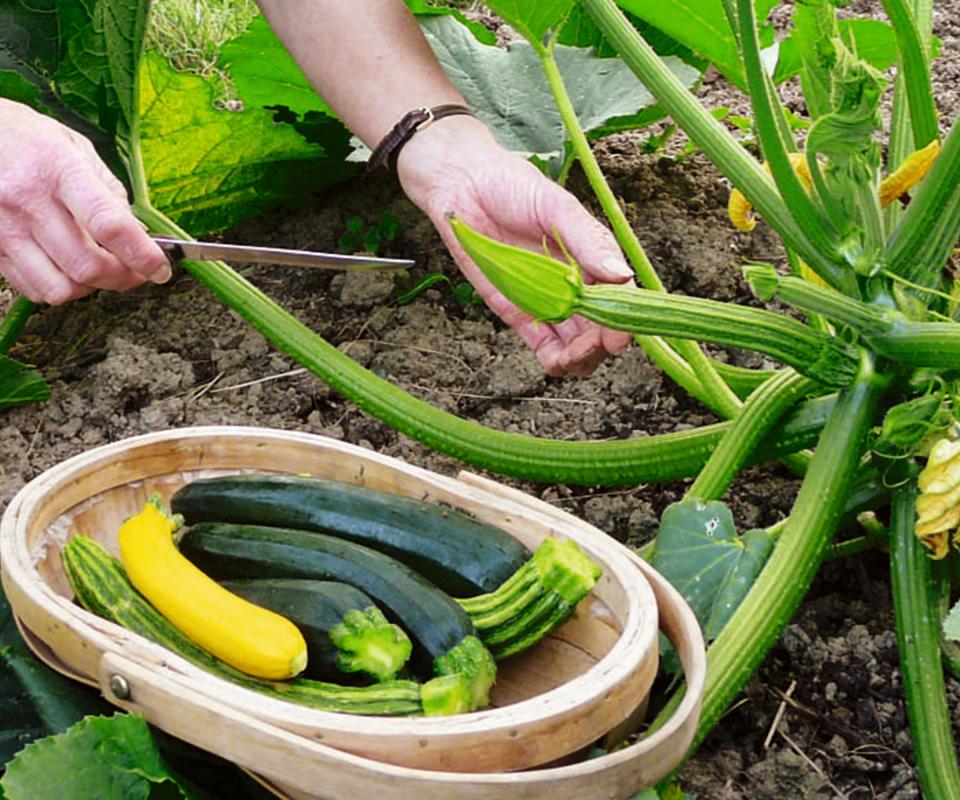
617, 267
162, 275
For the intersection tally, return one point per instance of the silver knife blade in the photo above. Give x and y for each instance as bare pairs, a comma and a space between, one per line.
179, 249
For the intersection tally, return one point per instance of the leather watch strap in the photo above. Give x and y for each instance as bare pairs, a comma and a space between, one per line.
385, 154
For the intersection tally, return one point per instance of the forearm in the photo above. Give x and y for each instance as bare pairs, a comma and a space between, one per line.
366, 58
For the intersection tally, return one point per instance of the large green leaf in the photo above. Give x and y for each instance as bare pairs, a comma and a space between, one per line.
423, 8
264, 73
509, 92
581, 31
208, 168
19, 384
699, 552
14, 86
702, 26
107, 32
532, 18
108, 758
30, 34
97, 74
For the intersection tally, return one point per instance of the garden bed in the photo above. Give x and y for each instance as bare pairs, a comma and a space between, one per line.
170, 356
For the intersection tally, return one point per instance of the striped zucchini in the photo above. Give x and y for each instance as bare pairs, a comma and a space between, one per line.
253, 639
537, 599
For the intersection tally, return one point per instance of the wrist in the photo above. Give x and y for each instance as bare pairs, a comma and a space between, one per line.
440, 150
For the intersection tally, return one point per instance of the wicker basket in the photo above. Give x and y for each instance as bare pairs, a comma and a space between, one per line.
591, 677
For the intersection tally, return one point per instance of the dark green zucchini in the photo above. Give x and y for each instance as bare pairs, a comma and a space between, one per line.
344, 630
461, 555
436, 622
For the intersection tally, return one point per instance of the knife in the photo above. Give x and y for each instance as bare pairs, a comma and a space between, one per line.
180, 249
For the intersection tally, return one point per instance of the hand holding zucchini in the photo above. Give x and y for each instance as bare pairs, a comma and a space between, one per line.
252, 639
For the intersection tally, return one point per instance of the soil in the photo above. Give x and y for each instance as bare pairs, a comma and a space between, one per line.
171, 356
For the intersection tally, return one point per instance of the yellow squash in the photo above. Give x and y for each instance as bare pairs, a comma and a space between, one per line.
250, 638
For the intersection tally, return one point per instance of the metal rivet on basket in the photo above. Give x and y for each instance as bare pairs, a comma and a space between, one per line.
119, 687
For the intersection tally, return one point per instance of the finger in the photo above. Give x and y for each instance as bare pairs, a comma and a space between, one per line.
110, 180
550, 354
79, 257
591, 244
569, 329
34, 274
615, 341
108, 220
582, 356
11, 271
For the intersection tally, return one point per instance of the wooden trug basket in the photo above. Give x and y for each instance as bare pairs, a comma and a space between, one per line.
586, 680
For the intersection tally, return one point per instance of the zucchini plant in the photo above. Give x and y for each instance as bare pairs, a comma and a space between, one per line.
867, 276
868, 378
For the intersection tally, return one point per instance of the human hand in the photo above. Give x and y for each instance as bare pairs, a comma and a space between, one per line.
456, 165
66, 227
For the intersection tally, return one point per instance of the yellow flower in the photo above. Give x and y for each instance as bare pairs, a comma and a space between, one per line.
938, 505
898, 183
909, 173
740, 210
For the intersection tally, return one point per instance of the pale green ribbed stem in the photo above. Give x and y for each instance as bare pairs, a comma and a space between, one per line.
759, 414
713, 392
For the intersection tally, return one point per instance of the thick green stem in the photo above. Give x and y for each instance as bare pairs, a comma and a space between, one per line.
758, 621
899, 146
602, 463
805, 296
927, 234
14, 321
608, 202
713, 392
901, 142
707, 133
820, 357
759, 414
920, 344
915, 68
766, 108
803, 540
874, 231
915, 601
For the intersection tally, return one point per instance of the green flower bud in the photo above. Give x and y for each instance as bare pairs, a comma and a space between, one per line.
537, 284
763, 280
